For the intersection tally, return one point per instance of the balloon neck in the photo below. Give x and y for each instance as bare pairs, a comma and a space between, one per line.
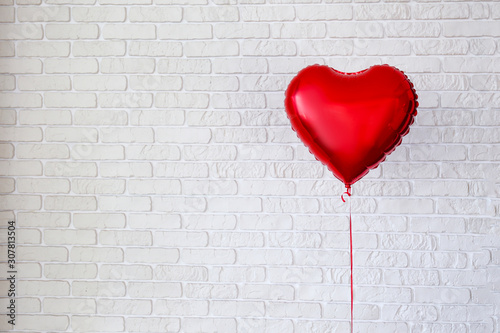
348, 192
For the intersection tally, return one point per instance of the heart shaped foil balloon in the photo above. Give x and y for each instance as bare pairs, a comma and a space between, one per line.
351, 121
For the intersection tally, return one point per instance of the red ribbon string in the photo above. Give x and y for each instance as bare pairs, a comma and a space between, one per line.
348, 192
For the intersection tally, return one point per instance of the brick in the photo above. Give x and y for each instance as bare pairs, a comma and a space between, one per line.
96, 254
133, 135
441, 47
7, 15
42, 151
43, 253
43, 219
96, 323
42, 322
138, 255
181, 239
43, 14
235, 204
98, 186
265, 83
101, 117
97, 152
324, 12
153, 152
267, 13
21, 202
179, 204
183, 135
71, 31
294, 310
204, 153
223, 325
154, 221
238, 169
211, 48
152, 324
181, 66
212, 291
7, 49
298, 30
482, 46
132, 66
160, 117
185, 31
43, 288
382, 12
155, 82
239, 100
7, 83
321, 48
33, 185
213, 118
129, 31
122, 169
184, 307
127, 307
21, 31
68, 203
98, 48
155, 14
70, 271
70, 306
83, 169
389, 47
6, 150
236, 66
472, 65
219, 83
355, 29
101, 82
180, 273
154, 289
71, 2
98, 220
211, 14
70, 134
209, 187
268, 48
208, 221
125, 2
98, 288
116, 203
442, 295
157, 186
7, 185
137, 238
241, 30
441, 11
182, 100
67, 66
237, 308
43, 49
20, 100
208, 256
98, 14
46, 82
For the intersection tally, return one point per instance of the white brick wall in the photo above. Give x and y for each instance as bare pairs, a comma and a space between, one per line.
158, 187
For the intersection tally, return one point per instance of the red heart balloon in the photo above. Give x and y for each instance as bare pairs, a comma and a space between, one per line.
351, 121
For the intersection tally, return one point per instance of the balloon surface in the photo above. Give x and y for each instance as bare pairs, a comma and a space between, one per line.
351, 121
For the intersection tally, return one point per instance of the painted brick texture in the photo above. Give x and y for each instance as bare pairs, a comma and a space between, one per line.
157, 186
